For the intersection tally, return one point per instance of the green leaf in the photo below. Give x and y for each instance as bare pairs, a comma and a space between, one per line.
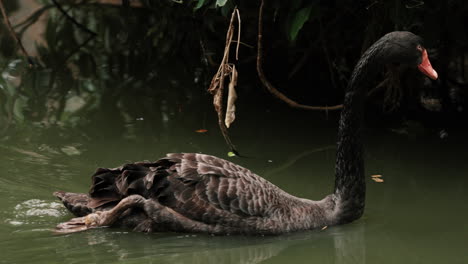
226, 10
199, 4
220, 2
298, 22
231, 154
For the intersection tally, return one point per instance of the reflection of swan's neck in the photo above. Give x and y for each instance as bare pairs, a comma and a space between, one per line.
350, 189
350, 245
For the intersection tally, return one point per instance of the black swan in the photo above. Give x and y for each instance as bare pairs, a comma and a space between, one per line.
192, 192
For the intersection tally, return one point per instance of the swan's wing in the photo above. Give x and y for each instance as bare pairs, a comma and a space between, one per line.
207, 189
200, 187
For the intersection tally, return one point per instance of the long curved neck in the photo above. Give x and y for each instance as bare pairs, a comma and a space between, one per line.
350, 188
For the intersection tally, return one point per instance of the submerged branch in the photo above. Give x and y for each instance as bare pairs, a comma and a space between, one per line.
268, 85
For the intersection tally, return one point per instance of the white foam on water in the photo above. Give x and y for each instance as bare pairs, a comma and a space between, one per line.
34, 210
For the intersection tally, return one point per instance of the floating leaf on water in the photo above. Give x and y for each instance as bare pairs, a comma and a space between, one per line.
325, 227
231, 154
378, 179
201, 130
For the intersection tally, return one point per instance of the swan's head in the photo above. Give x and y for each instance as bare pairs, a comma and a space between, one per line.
407, 48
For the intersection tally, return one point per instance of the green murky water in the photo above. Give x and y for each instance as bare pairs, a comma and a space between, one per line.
417, 215
118, 110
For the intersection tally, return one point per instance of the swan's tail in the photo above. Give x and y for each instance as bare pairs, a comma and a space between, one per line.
109, 186
76, 203
143, 178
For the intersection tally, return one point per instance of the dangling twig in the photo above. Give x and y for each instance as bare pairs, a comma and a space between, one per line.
268, 85
13, 34
217, 83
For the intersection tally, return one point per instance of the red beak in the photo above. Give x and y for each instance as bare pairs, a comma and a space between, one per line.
426, 68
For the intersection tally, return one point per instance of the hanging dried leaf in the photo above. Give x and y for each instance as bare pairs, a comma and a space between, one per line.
232, 96
201, 130
216, 87
377, 179
376, 176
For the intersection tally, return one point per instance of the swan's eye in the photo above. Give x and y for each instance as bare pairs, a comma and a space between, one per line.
420, 48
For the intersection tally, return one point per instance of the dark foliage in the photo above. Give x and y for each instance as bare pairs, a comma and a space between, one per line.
159, 49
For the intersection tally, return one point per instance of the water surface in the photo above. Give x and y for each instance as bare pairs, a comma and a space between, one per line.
417, 215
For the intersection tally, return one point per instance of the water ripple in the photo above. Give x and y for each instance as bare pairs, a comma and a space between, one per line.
35, 211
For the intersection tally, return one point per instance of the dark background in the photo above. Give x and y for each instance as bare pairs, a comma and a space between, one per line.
161, 55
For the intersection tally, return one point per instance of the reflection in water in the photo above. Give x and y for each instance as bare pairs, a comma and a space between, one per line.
193, 248
75, 85
169, 248
350, 247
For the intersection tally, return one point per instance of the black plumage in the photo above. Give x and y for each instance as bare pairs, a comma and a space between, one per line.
190, 192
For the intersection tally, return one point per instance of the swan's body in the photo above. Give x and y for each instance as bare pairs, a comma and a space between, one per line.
201, 193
